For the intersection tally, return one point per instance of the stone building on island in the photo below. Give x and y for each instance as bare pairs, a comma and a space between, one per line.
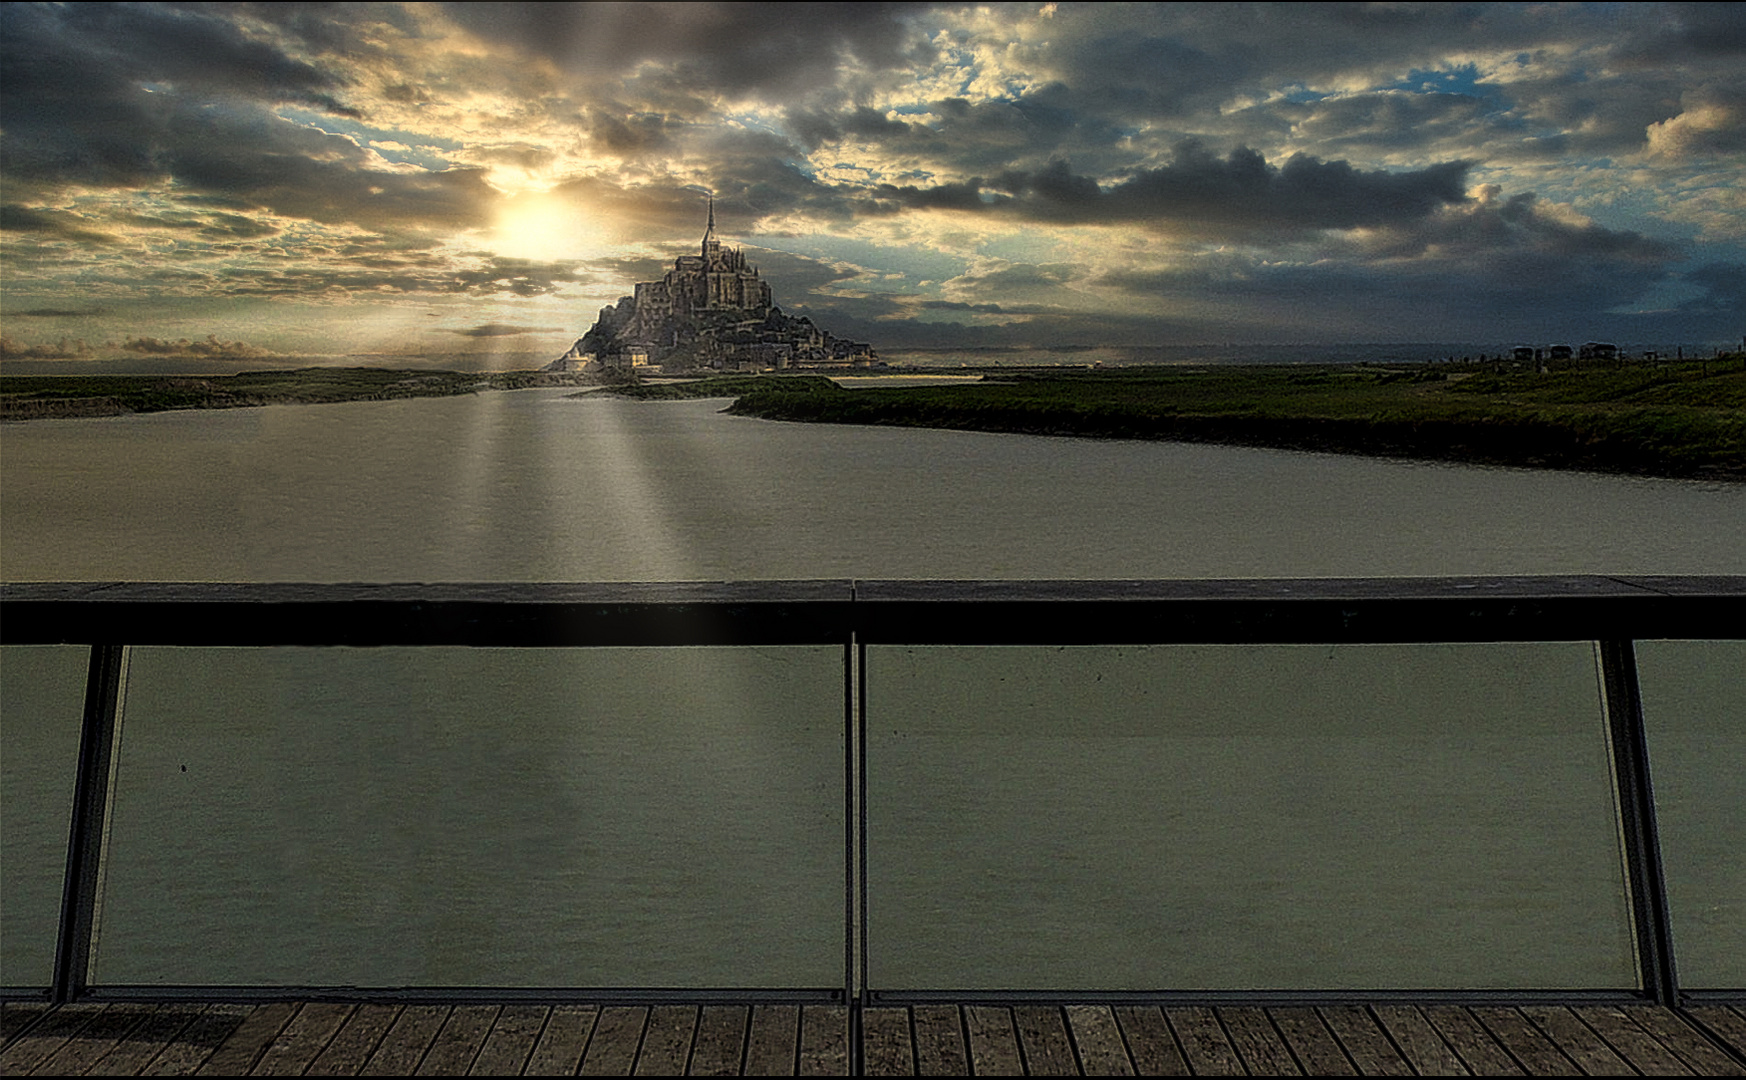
712, 311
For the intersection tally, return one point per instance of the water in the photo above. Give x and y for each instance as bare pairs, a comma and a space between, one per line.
671, 817
533, 486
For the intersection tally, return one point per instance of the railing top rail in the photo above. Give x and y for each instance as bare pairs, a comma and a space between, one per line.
1261, 610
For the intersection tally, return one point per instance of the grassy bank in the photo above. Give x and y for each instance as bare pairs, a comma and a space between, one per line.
724, 386
32, 397
1684, 419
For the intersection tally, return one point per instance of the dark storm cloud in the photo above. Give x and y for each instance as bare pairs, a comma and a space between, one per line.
958, 305
1703, 29
88, 91
1240, 192
1495, 266
1520, 226
128, 95
1392, 119
254, 158
489, 330
183, 48
337, 29
715, 48
627, 136
1724, 286
50, 224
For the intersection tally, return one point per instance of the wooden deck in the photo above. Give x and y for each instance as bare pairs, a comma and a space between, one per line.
328, 1039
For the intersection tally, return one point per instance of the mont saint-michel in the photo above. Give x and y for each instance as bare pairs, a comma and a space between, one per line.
712, 311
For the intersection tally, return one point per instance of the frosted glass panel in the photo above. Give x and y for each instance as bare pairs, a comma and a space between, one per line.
1242, 818
1694, 712
450, 816
42, 702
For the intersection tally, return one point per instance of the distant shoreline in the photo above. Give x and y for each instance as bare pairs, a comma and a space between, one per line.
68, 397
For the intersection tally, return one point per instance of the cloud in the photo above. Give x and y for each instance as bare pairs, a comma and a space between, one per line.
486, 330
50, 224
65, 349
209, 349
1512, 266
1712, 123
1239, 193
1724, 294
715, 48
55, 313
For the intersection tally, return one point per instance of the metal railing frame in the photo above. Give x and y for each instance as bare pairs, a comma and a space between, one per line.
1610, 611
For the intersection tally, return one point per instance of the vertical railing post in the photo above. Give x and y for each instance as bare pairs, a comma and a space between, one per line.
1624, 704
85, 832
861, 783
852, 863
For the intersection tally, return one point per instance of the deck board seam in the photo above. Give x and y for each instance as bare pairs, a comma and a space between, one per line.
1726, 1045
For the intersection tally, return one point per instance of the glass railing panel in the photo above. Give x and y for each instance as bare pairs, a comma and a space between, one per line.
450, 817
1401, 817
42, 703
1694, 715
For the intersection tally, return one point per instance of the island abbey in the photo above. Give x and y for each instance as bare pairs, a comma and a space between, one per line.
711, 311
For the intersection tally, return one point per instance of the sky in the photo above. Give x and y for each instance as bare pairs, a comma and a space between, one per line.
242, 183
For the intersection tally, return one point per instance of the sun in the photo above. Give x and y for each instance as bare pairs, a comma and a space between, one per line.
537, 226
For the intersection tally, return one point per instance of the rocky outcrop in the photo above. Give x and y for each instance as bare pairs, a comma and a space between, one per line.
713, 310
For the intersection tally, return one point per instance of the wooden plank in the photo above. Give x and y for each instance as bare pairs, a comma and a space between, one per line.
721, 1041
666, 1048
452, 1052
1204, 1043
1723, 1024
994, 1047
1471, 1042
1311, 1042
1418, 1041
50, 1033
15, 1016
1260, 1047
407, 1041
886, 1046
1364, 1041
612, 1050
1513, 1031
237, 1054
1044, 1042
1633, 1043
303, 1040
196, 1042
1575, 1039
939, 1041
146, 1041
103, 1034
559, 1049
1098, 1040
824, 1040
1689, 1045
511, 1041
773, 1044
1151, 1046
351, 1047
